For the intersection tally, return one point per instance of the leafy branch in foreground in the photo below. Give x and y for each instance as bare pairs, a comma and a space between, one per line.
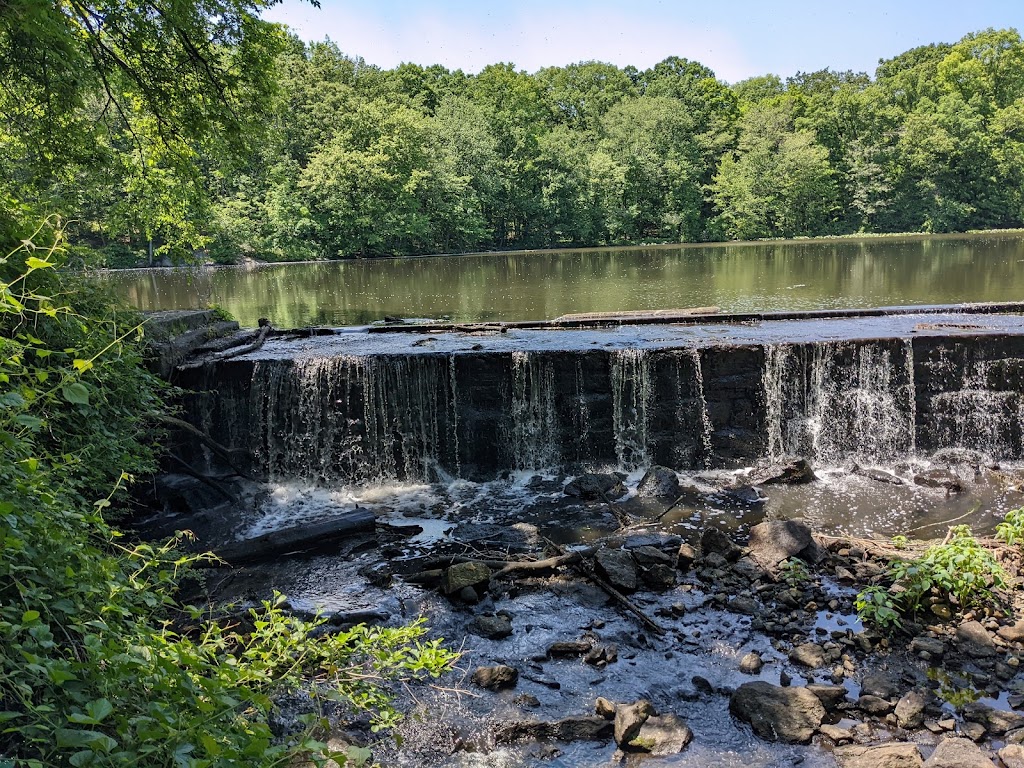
99, 666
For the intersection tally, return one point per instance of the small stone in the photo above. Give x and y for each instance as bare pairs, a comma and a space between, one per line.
527, 700
493, 627
809, 655
958, 753
469, 595
973, 731
910, 710
687, 554
874, 705
751, 663
880, 685
836, 734
745, 605
495, 678
664, 735
974, 640
831, 696
1012, 633
934, 647
629, 719
605, 708
785, 678
714, 541
462, 575
569, 648
618, 567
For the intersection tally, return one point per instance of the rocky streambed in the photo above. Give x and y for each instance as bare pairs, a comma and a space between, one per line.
667, 620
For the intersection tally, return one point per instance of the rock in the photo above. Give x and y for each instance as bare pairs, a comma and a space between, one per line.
910, 710
939, 478
785, 471
602, 655
569, 648
618, 567
809, 655
687, 554
1012, 756
789, 715
934, 647
496, 678
880, 685
748, 606
658, 576
830, 696
647, 555
580, 728
660, 483
958, 753
836, 734
596, 486
629, 718
469, 595
527, 700
604, 708
974, 640
739, 495
493, 627
713, 541
462, 575
785, 678
664, 735
973, 731
1013, 633
874, 705
884, 756
996, 721
751, 663
878, 475
773, 541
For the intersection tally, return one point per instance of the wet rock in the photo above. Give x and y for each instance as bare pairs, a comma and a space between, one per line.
602, 655
939, 478
746, 568
874, 705
579, 728
739, 496
973, 731
687, 554
714, 541
629, 719
664, 735
462, 575
646, 555
496, 678
618, 567
996, 721
1012, 633
837, 734
883, 756
789, 715
493, 627
773, 541
785, 678
748, 606
1012, 756
527, 700
751, 663
878, 475
910, 710
809, 655
830, 696
659, 482
604, 708
879, 684
789, 470
974, 640
469, 595
658, 576
933, 646
569, 649
596, 486
958, 753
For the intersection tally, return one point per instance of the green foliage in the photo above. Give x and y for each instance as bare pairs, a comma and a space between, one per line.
794, 572
959, 569
98, 663
1011, 530
900, 541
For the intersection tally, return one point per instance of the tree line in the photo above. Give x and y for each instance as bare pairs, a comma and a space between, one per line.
345, 159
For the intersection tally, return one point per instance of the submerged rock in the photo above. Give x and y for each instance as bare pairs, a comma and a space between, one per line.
659, 482
939, 478
786, 471
789, 715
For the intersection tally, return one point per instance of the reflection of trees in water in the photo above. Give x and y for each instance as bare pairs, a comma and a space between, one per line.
545, 284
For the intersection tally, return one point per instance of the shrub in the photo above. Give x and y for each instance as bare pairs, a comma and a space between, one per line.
1011, 530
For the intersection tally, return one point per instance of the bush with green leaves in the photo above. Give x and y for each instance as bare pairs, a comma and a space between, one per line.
99, 666
959, 569
1011, 530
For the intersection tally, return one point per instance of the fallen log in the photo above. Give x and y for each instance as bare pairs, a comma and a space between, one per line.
300, 538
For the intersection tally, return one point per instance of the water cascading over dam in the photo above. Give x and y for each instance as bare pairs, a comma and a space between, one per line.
366, 407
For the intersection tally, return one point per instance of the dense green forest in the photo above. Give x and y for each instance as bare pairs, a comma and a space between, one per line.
345, 159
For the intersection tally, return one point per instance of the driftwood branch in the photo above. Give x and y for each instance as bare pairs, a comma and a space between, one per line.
205, 479
225, 453
261, 338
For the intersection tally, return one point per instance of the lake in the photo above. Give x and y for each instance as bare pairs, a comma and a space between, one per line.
535, 285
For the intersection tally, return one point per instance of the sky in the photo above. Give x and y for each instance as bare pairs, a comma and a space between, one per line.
737, 39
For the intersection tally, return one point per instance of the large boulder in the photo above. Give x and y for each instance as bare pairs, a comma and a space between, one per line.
773, 541
788, 470
660, 483
618, 567
596, 486
462, 575
958, 753
901, 755
789, 715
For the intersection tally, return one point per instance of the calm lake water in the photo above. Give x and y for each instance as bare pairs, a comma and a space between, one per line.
545, 284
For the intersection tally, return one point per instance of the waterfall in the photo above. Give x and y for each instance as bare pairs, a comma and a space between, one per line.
702, 406
631, 398
536, 441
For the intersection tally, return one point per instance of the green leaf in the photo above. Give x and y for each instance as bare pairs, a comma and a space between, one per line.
82, 365
33, 262
29, 616
99, 709
76, 393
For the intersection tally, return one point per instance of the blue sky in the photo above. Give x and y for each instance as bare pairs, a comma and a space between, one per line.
736, 39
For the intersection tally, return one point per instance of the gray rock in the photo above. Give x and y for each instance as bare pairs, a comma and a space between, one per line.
745, 605
809, 655
713, 541
629, 719
773, 541
933, 646
1013, 633
939, 478
659, 482
658, 576
687, 554
789, 715
974, 640
874, 705
618, 567
837, 734
495, 678
786, 471
910, 710
596, 486
1012, 756
580, 728
648, 555
958, 753
879, 684
569, 648
831, 696
493, 627
996, 721
604, 708
462, 575
664, 735
602, 655
751, 663
883, 756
